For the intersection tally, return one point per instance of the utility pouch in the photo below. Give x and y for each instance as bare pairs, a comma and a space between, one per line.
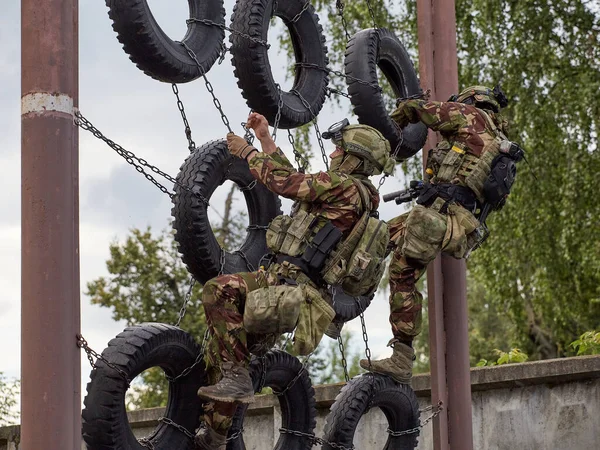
297, 233
315, 316
366, 264
478, 176
274, 309
277, 231
451, 163
321, 245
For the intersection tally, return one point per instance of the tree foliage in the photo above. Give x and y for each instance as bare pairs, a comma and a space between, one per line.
9, 393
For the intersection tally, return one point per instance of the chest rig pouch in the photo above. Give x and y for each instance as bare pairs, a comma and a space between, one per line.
289, 235
358, 261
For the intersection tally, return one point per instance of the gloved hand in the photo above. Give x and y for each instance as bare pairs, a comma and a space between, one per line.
238, 146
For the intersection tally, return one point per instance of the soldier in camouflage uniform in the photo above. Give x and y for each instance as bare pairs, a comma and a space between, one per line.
443, 219
331, 196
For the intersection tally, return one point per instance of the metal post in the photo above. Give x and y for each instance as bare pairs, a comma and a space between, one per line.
50, 358
450, 377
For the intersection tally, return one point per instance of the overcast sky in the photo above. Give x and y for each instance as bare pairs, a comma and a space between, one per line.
140, 114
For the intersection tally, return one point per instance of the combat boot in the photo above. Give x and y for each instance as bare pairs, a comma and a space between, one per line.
398, 366
208, 439
235, 386
334, 330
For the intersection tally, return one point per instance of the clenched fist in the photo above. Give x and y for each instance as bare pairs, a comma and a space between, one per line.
238, 146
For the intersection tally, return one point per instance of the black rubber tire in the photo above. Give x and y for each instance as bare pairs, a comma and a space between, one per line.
105, 424
157, 55
347, 307
365, 51
203, 171
298, 407
253, 69
397, 401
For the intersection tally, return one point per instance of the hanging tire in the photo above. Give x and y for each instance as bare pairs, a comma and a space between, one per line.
155, 53
397, 401
278, 370
347, 307
105, 425
203, 171
253, 69
365, 51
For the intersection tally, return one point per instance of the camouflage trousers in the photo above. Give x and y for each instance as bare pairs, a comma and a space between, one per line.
224, 299
418, 237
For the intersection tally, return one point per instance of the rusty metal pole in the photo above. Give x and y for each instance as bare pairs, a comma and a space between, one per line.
50, 358
446, 277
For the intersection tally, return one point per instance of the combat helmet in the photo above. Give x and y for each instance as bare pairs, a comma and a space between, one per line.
366, 150
482, 97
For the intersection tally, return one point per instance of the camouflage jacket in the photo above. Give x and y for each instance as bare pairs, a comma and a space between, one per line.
330, 195
471, 128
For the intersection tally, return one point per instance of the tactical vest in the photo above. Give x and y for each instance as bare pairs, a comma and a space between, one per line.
452, 162
356, 261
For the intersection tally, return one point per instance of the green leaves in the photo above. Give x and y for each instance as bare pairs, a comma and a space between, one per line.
587, 344
9, 393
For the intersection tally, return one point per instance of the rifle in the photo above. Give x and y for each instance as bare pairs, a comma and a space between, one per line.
405, 195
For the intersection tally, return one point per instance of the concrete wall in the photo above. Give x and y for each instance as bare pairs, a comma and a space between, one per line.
545, 405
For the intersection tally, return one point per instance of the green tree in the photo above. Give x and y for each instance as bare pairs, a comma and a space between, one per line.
9, 393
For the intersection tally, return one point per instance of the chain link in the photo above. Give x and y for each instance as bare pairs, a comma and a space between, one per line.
235, 435
198, 360
226, 28
222, 262
314, 439
184, 430
91, 354
339, 4
437, 411
145, 442
186, 300
372, 12
301, 161
137, 162
188, 130
302, 11
344, 362
330, 91
316, 125
340, 74
257, 227
296, 378
249, 187
278, 115
209, 86
249, 265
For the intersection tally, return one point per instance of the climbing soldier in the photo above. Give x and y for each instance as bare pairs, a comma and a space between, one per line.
246, 312
468, 174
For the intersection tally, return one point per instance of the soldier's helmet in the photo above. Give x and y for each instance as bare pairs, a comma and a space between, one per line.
482, 97
367, 144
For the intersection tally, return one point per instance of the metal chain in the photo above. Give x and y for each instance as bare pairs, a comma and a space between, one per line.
298, 375
344, 362
232, 31
188, 130
316, 125
91, 354
222, 262
340, 74
364, 332
235, 435
314, 439
184, 430
436, 412
372, 12
257, 227
249, 187
145, 442
302, 11
186, 300
249, 265
329, 91
137, 162
300, 160
278, 115
209, 86
198, 360
339, 4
